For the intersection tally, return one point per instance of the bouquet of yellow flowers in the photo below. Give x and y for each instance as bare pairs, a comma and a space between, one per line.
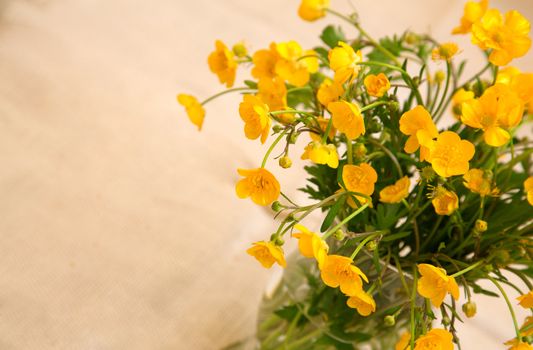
411, 212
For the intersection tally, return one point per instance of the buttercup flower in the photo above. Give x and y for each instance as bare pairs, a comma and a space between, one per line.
329, 92
321, 153
376, 85
403, 342
507, 74
347, 118
222, 63
343, 61
254, 113
435, 284
445, 202
267, 253
311, 10
395, 193
522, 85
499, 108
444, 52
194, 109
449, 155
478, 182
265, 63
419, 126
323, 124
359, 178
339, 270
473, 11
521, 346
507, 38
435, 339
457, 101
363, 302
310, 244
258, 184
526, 300
273, 92
291, 66
528, 188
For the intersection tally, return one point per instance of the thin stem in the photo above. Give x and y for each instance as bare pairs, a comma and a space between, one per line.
517, 329
469, 268
271, 148
413, 299
373, 105
225, 92
363, 243
326, 133
389, 154
347, 219
296, 89
349, 150
443, 98
293, 111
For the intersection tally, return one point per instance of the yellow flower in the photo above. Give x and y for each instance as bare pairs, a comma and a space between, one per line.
521, 346
347, 118
507, 38
395, 193
403, 342
222, 63
419, 126
265, 63
194, 109
528, 188
499, 108
363, 302
323, 124
527, 327
258, 184
291, 66
444, 52
435, 284
321, 153
478, 182
522, 85
449, 155
457, 101
376, 85
473, 11
507, 74
311, 10
329, 92
267, 253
526, 300
254, 113
310, 244
359, 178
343, 60
445, 202
339, 270
273, 92
435, 339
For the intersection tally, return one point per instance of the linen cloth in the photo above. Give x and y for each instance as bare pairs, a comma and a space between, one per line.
119, 224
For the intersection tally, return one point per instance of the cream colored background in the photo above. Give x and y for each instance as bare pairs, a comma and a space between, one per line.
118, 220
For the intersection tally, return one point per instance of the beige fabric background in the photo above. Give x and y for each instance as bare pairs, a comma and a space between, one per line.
118, 220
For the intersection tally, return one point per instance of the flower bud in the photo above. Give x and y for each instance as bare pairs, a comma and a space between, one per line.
440, 76
359, 151
293, 138
481, 226
446, 320
277, 128
394, 106
427, 174
285, 162
240, 49
416, 81
412, 38
371, 246
470, 309
389, 320
279, 241
339, 235
501, 258
276, 206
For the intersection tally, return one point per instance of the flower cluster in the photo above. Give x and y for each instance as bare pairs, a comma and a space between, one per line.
412, 210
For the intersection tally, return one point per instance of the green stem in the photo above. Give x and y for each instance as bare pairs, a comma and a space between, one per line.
349, 151
413, 300
271, 148
225, 92
363, 243
347, 219
517, 329
296, 89
293, 111
373, 105
389, 154
298, 343
469, 268
328, 129
443, 98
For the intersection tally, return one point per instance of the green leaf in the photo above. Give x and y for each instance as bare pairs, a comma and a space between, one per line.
331, 36
332, 214
251, 84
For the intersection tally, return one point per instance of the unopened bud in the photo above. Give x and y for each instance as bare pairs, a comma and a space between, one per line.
371, 246
481, 225
339, 235
427, 174
416, 81
293, 138
276, 206
394, 106
412, 38
501, 258
470, 309
285, 162
446, 320
240, 49
279, 241
389, 320
359, 150
440, 76
277, 128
